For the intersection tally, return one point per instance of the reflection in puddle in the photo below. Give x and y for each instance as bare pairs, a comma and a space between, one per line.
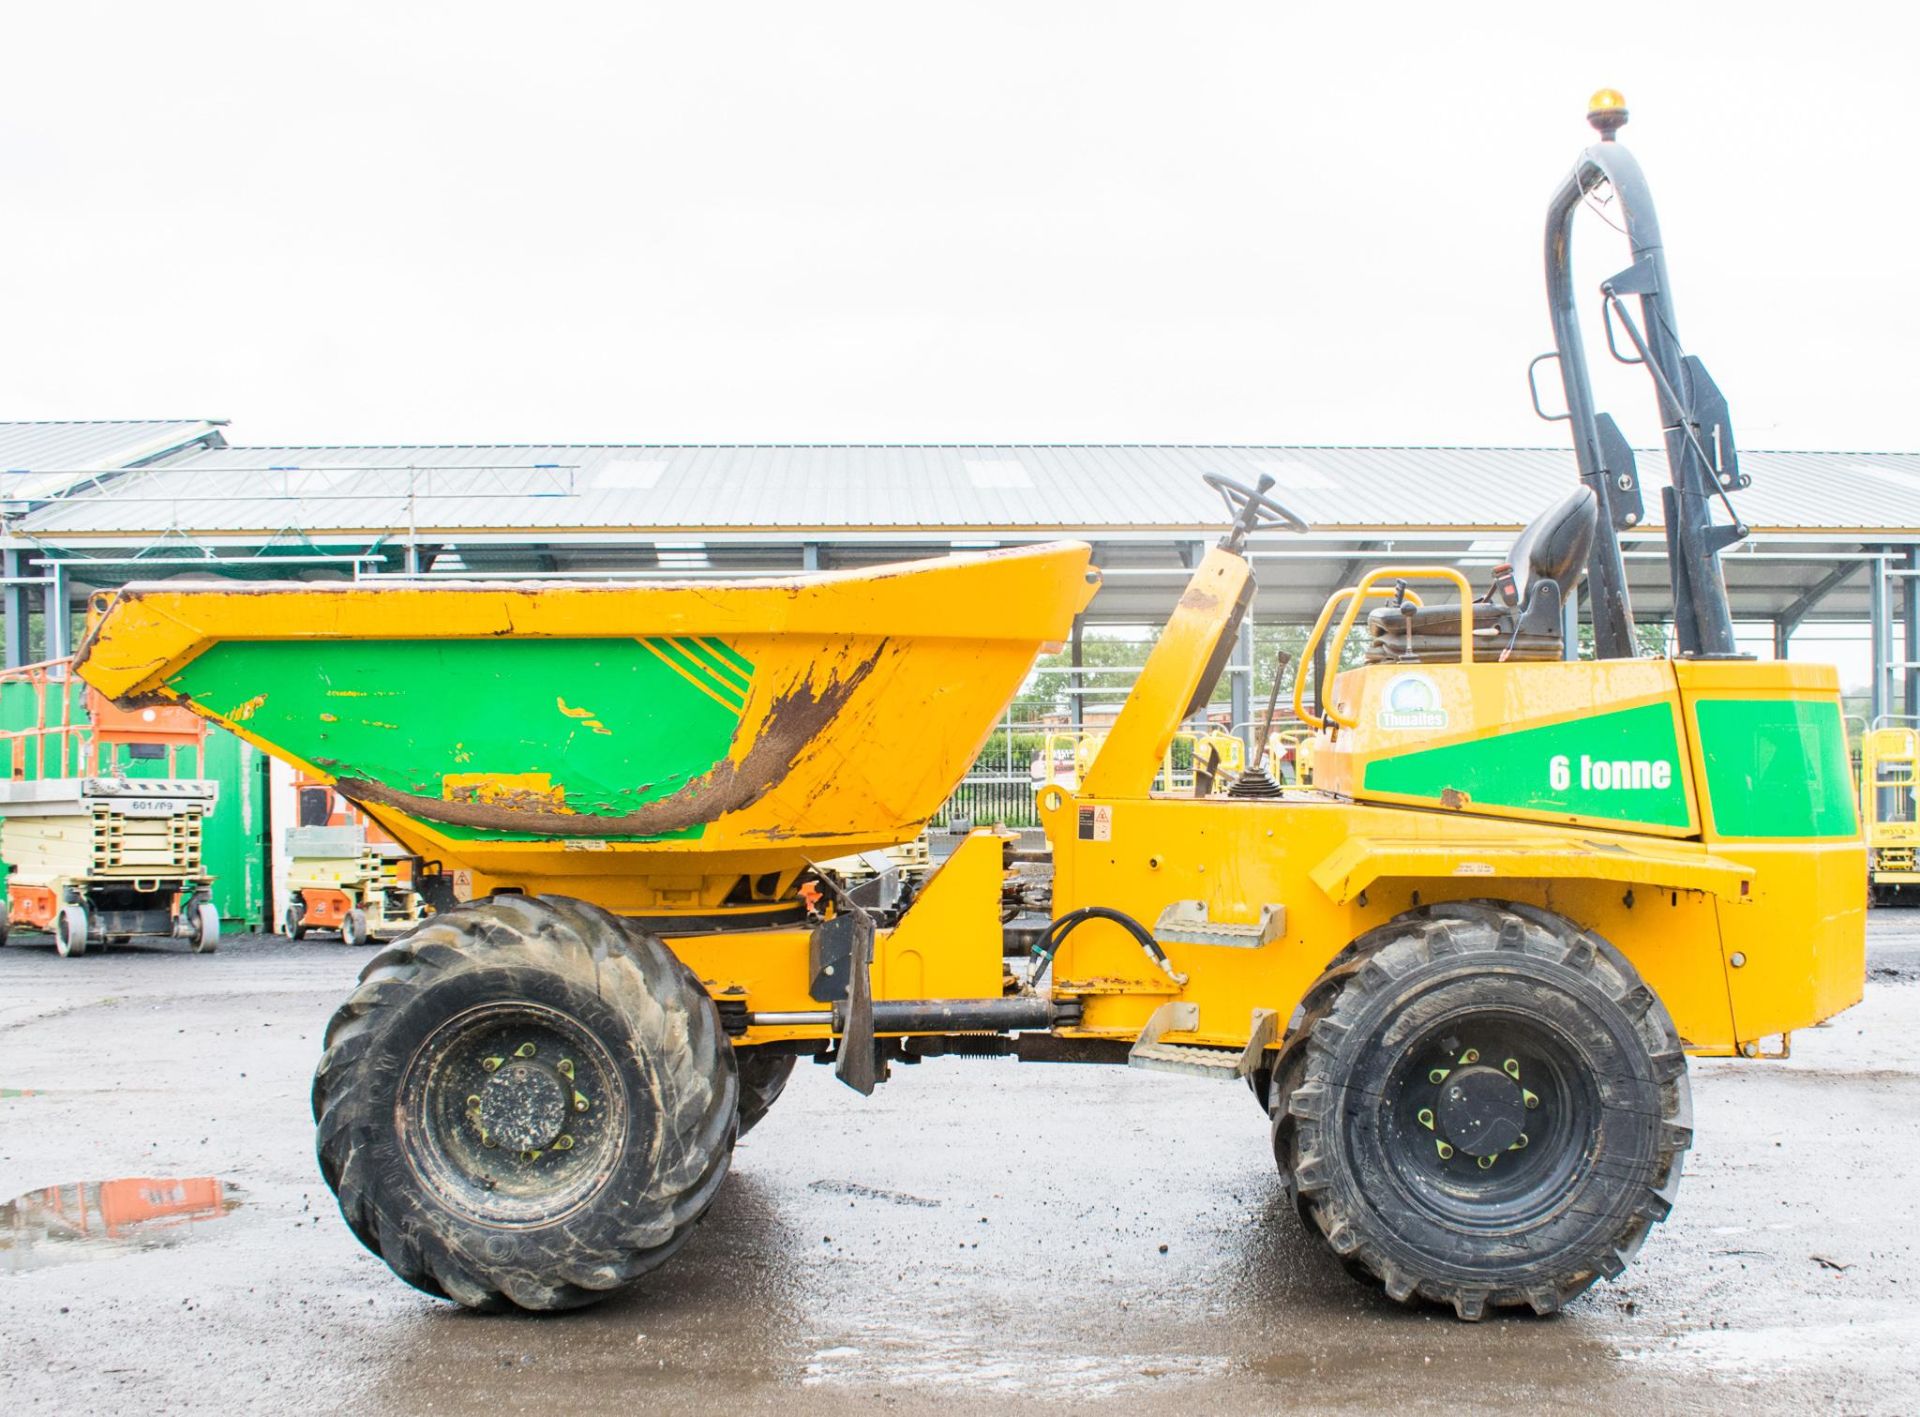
101, 1219
910, 1355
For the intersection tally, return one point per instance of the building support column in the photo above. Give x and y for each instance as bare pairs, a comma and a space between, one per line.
1076, 685
1882, 632
1240, 683
55, 612
1782, 634
13, 567
1910, 633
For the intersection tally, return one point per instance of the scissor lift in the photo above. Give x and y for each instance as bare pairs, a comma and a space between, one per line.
96, 853
1889, 759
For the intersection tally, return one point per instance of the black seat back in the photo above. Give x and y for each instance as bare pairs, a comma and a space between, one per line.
1548, 558
1555, 544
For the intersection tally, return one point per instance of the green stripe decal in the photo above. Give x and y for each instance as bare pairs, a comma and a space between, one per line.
1624, 766
593, 727
1777, 767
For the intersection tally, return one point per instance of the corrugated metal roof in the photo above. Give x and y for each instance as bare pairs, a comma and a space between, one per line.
40, 459
814, 489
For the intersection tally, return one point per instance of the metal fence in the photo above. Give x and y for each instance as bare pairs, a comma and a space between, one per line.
1020, 758
989, 799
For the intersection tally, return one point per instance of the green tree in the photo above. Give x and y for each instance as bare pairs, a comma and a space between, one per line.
1047, 692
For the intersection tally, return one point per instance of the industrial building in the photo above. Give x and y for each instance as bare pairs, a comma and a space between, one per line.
1836, 536
91, 506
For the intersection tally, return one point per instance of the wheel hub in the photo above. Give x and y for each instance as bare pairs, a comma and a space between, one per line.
1481, 1110
523, 1106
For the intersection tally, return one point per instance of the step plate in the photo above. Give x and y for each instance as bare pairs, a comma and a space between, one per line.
1186, 1058
1186, 922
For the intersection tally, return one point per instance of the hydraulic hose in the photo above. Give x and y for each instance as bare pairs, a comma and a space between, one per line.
1058, 931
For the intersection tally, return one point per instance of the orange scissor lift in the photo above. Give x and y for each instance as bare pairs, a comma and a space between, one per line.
94, 853
346, 875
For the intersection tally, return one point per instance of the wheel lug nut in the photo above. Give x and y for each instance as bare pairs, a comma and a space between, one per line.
492, 1064
1512, 1068
1472, 1055
1529, 1099
579, 1102
1446, 1151
563, 1143
1521, 1144
565, 1069
1486, 1163
1426, 1118
1438, 1076
525, 1050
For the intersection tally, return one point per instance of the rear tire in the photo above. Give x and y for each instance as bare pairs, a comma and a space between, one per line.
763, 1077
1484, 1106
526, 1102
295, 914
353, 929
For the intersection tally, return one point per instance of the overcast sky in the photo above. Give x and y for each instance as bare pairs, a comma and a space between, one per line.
1267, 222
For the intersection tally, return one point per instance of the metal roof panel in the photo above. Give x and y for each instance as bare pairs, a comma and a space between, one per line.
796, 489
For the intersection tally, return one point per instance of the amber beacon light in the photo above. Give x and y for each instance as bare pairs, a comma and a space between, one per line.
1607, 111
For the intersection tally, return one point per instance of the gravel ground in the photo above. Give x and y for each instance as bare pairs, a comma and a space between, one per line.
979, 1235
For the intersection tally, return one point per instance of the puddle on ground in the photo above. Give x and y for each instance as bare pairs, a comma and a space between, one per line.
103, 1219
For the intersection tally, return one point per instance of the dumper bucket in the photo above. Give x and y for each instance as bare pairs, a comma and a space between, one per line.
538, 729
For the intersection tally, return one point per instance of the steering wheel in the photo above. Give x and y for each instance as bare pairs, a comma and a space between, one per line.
1251, 508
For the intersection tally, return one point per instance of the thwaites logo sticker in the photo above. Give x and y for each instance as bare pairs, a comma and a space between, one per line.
1411, 700
1096, 824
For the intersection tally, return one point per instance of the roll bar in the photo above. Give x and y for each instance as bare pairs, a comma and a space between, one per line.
1353, 597
1699, 440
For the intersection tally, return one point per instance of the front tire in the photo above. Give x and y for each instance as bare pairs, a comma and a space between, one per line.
527, 1102
70, 928
206, 928
1484, 1106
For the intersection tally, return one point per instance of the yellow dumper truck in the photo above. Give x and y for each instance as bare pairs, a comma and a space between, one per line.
1462, 973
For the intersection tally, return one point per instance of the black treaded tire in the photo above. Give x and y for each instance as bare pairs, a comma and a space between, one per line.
763, 1077
627, 1031
1369, 1087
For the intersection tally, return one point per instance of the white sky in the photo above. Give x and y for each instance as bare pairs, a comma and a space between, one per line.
1272, 222
1267, 222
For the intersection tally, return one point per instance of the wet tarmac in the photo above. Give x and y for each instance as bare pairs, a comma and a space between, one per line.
977, 1237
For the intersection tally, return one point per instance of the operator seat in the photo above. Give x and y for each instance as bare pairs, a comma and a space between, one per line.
1547, 561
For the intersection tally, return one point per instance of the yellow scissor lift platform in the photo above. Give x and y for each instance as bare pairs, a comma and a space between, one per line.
1889, 756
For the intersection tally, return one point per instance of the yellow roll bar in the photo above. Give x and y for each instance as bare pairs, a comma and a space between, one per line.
1353, 597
